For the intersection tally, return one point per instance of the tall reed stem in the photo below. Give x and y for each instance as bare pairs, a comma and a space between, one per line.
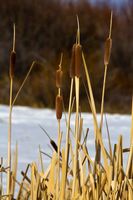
11, 75
67, 140
106, 62
103, 95
78, 58
9, 140
59, 105
105, 75
76, 136
58, 166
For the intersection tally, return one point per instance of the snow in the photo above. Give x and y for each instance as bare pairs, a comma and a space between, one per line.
27, 133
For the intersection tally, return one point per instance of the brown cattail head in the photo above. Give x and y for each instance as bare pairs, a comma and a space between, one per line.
72, 64
59, 106
12, 63
107, 53
78, 60
59, 74
55, 147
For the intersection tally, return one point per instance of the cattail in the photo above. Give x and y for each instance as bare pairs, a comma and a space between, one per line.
59, 74
12, 63
55, 147
72, 64
78, 60
108, 46
59, 106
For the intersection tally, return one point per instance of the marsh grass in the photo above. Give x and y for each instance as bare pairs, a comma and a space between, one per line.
72, 174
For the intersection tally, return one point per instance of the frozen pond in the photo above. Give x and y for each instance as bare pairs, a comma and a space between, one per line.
27, 133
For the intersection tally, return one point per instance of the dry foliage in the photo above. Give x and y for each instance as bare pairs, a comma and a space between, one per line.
72, 174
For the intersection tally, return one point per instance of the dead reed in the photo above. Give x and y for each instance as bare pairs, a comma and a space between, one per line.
72, 174
11, 75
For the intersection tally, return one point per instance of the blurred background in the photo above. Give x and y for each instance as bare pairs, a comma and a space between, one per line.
45, 28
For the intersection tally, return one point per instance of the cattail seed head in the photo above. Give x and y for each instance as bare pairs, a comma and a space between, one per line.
54, 145
107, 53
12, 63
78, 60
59, 106
72, 64
59, 74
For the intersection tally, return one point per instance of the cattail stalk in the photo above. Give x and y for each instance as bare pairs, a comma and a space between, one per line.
40, 159
9, 139
108, 46
11, 71
59, 109
76, 135
23, 83
106, 62
77, 75
67, 140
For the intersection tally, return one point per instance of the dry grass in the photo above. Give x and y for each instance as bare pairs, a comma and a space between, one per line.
72, 174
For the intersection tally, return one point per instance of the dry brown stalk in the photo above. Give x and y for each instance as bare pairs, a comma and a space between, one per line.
11, 71
72, 173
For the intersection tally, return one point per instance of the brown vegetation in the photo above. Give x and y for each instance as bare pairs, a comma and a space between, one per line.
47, 28
72, 174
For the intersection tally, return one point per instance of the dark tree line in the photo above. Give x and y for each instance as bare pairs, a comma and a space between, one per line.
45, 28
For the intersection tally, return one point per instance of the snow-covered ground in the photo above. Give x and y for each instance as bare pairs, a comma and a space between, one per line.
27, 133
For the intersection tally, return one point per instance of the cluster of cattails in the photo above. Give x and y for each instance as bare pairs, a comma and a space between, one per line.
76, 61
59, 99
82, 178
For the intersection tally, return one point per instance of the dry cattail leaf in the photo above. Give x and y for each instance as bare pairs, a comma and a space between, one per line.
72, 64
108, 46
59, 106
12, 63
59, 74
78, 60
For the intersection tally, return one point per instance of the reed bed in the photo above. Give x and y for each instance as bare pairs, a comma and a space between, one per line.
72, 174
